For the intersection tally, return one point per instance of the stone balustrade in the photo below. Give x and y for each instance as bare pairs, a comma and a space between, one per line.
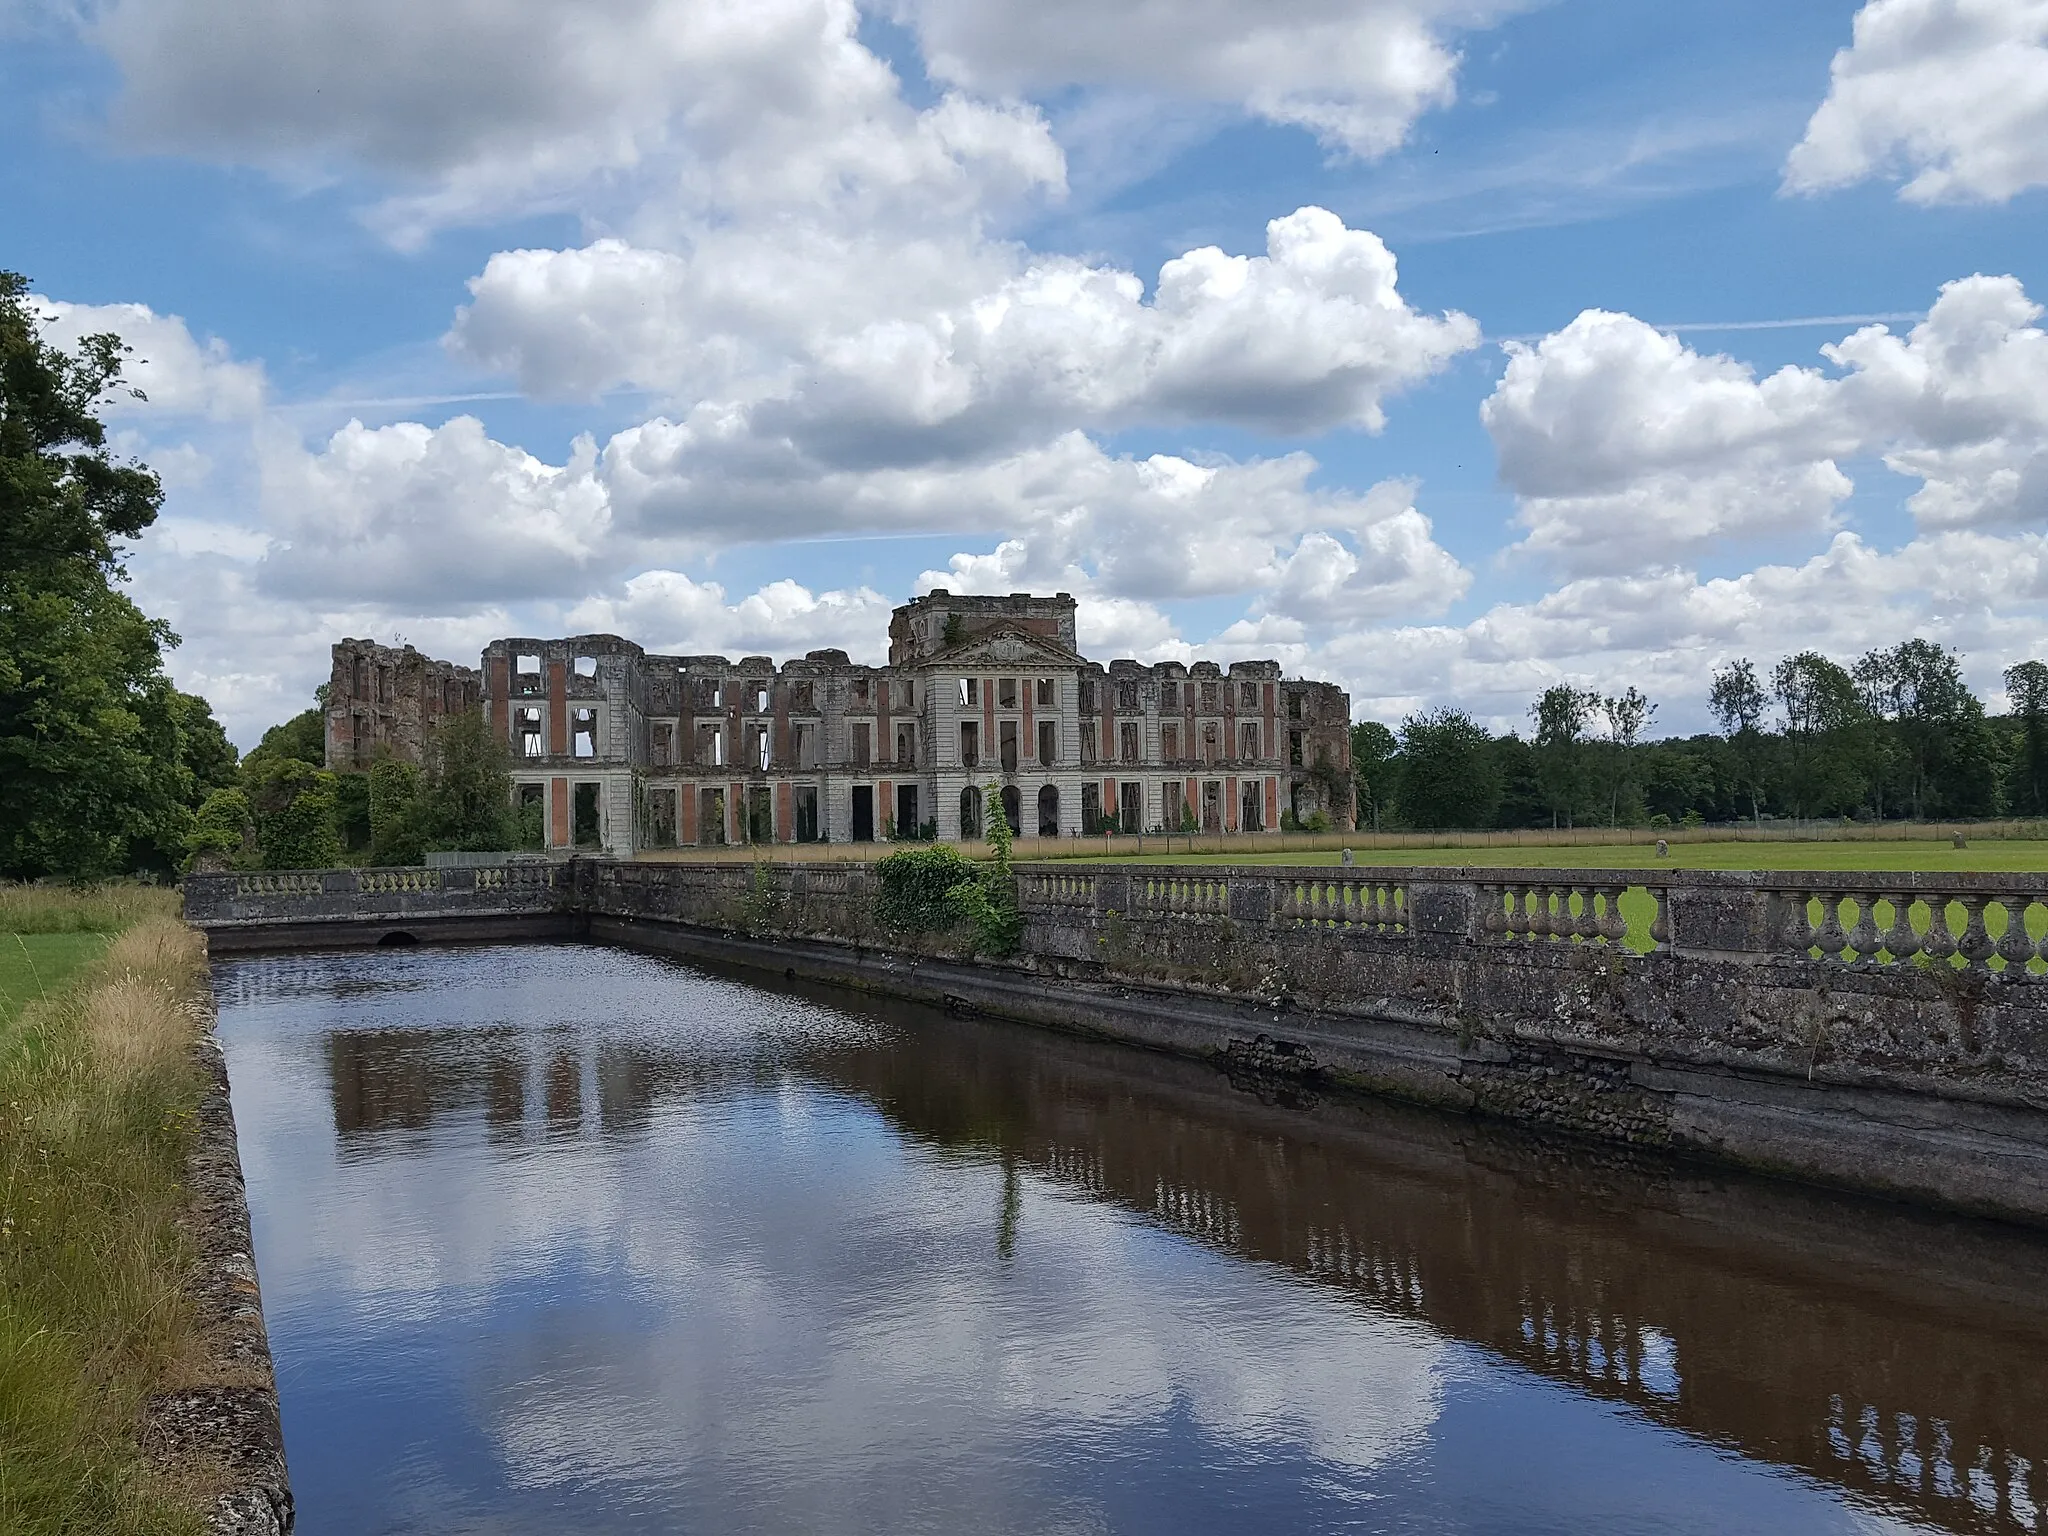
1882, 1031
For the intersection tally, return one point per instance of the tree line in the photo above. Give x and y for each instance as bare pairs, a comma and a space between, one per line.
1895, 733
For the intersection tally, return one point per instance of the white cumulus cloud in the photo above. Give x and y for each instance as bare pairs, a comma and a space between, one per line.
178, 374
1951, 95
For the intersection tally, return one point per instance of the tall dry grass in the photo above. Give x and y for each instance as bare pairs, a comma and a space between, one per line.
98, 1094
106, 908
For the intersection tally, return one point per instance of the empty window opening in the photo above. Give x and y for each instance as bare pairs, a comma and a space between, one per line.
1294, 748
760, 826
1247, 695
1048, 742
908, 823
761, 748
1127, 742
361, 743
361, 690
1047, 692
383, 685
1212, 805
586, 666
1130, 806
1091, 808
1088, 697
1006, 693
528, 725
583, 732
661, 818
1084, 739
806, 746
526, 674
1251, 806
1212, 746
1248, 742
970, 691
863, 813
1173, 808
1048, 812
1208, 698
1127, 695
803, 697
710, 746
970, 812
970, 744
587, 827
662, 745
807, 813
863, 745
906, 746
760, 698
1169, 742
711, 817
1013, 808
1169, 695
1006, 740
860, 693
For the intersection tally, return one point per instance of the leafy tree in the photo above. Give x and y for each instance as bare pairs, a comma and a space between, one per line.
1628, 714
223, 833
303, 738
2026, 689
1738, 704
465, 799
293, 803
1943, 750
394, 812
1822, 709
1449, 774
1375, 769
1560, 717
100, 757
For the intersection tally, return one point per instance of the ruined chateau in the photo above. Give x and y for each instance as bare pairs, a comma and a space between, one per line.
618, 749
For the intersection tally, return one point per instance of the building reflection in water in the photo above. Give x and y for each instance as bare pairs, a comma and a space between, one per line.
1901, 1356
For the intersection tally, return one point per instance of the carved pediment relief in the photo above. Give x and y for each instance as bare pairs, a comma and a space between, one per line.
1006, 647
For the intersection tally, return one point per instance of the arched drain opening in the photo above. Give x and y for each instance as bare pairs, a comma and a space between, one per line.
398, 938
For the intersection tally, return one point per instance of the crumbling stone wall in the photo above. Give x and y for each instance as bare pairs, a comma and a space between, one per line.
383, 700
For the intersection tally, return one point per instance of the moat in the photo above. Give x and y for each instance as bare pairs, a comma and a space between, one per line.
572, 1238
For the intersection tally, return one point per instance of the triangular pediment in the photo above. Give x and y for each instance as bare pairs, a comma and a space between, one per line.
1005, 645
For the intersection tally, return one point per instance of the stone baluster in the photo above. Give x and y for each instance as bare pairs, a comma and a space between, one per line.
1939, 943
1864, 938
1493, 922
1660, 924
1829, 938
1613, 926
1557, 913
1900, 940
1975, 944
1586, 923
2014, 947
1536, 910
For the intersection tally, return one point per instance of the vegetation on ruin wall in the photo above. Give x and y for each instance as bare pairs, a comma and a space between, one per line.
102, 761
939, 890
98, 1093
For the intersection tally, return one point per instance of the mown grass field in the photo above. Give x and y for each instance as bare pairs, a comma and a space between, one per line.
98, 1092
1986, 856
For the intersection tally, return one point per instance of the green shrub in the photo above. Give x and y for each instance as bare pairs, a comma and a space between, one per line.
915, 884
223, 833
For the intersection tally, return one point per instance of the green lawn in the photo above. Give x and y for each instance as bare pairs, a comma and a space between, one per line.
34, 963
2014, 856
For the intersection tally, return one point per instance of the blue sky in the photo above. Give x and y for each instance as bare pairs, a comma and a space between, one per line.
840, 301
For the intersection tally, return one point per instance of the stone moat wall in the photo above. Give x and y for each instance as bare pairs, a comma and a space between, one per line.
1887, 1033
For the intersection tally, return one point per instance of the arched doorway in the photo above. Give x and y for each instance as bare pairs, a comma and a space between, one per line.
1013, 808
970, 812
1048, 812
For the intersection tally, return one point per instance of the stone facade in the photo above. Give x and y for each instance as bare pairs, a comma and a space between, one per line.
383, 700
626, 749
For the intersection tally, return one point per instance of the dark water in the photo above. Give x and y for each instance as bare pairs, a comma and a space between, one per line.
572, 1239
